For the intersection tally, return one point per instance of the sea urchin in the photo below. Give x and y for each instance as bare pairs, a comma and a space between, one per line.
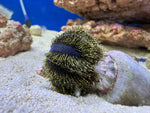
69, 64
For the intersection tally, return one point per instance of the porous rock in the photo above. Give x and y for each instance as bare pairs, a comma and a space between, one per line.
113, 33
130, 10
14, 38
132, 86
3, 21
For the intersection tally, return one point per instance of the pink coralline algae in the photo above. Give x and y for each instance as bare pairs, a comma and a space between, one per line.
113, 33
14, 37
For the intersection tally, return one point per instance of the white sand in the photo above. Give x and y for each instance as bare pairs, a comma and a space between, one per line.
23, 91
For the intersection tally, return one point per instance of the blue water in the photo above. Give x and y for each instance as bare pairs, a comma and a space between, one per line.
41, 12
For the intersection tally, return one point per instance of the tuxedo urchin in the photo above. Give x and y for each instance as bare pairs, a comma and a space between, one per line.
69, 64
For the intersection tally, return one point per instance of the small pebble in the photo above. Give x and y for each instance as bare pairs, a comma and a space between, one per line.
36, 30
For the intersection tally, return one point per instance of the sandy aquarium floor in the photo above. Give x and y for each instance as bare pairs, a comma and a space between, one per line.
23, 91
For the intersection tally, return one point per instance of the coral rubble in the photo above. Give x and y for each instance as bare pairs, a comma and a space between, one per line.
13, 37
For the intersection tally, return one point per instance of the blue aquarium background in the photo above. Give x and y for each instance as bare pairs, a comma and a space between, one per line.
40, 12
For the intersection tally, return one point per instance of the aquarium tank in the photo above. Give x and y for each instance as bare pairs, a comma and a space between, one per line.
43, 13
74, 56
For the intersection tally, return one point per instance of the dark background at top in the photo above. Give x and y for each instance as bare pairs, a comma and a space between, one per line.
41, 12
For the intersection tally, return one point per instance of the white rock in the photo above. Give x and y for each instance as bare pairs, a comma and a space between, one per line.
36, 30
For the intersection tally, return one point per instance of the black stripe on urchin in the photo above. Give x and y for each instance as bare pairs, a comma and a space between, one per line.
83, 43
